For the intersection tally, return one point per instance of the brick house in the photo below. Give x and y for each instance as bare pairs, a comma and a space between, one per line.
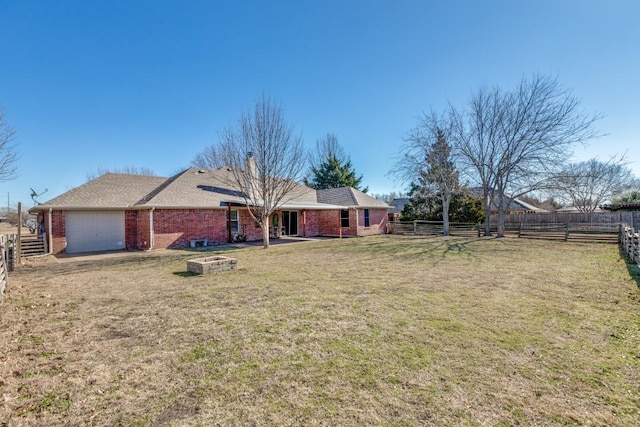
194, 207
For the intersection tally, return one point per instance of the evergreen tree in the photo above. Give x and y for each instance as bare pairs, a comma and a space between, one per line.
463, 207
441, 174
333, 173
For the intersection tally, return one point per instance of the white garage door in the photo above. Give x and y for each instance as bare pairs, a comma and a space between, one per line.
94, 231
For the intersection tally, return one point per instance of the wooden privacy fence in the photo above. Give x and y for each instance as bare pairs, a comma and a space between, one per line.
630, 243
512, 221
575, 232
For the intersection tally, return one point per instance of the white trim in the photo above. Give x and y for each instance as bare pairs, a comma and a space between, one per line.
152, 234
50, 231
357, 222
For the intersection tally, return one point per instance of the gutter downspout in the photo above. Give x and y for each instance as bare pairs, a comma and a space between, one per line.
357, 223
151, 233
49, 225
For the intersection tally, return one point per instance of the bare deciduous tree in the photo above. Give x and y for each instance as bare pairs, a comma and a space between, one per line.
326, 147
129, 170
517, 141
427, 162
586, 185
209, 158
475, 133
8, 154
266, 159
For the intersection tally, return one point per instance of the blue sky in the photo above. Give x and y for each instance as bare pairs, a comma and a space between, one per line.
107, 84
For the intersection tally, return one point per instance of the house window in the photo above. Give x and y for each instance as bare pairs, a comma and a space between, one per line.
233, 220
366, 217
344, 218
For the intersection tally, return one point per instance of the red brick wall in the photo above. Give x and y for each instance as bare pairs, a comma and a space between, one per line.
136, 229
309, 224
143, 236
327, 223
131, 229
59, 231
378, 220
177, 227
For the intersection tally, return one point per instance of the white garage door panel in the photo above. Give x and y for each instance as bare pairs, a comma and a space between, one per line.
94, 231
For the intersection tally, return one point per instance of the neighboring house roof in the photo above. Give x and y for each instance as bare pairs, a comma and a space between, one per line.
513, 203
574, 209
517, 204
622, 207
397, 205
192, 188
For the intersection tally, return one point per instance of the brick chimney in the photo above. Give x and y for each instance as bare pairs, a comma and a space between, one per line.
250, 164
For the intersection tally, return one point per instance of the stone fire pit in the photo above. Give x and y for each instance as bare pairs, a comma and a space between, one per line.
211, 264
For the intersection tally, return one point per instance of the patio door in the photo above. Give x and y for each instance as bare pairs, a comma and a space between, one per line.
290, 223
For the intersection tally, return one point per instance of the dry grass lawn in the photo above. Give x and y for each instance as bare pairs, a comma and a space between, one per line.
388, 330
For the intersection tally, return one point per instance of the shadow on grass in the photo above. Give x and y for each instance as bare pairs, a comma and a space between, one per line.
185, 274
209, 249
634, 269
422, 247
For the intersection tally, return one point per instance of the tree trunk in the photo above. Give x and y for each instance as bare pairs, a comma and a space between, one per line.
445, 215
502, 212
265, 232
501, 217
487, 214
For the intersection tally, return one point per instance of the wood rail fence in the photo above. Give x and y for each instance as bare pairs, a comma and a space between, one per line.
33, 245
12, 248
7, 250
630, 243
433, 228
603, 233
3, 276
574, 232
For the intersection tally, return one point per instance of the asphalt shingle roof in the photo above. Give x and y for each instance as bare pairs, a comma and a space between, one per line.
192, 188
348, 196
111, 190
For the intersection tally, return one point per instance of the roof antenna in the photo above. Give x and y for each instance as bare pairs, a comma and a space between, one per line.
35, 195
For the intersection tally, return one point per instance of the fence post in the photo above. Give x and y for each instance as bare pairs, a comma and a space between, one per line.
19, 238
566, 235
620, 233
3, 264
